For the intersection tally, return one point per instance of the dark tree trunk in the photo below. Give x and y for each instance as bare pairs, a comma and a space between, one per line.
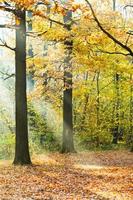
68, 143
115, 129
131, 104
29, 14
98, 107
114, 5
117, 107
98, 99
22, 156
131, 112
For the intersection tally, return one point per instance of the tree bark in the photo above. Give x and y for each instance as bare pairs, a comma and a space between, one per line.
98, 107
68, 143
117, 107
87, 95
98, 99
131, 112
22, 156
30, 76
114, 5
116, 103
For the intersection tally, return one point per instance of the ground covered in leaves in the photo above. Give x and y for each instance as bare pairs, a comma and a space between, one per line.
82, 176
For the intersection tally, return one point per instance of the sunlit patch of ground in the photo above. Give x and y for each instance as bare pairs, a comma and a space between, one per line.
88, 166
5, 163
83, 176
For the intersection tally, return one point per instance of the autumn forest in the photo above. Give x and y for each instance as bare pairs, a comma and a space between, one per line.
66, 105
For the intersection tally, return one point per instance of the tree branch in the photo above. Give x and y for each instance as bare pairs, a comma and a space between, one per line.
130, 32
128, 5
8, 26
36, 34
48, 18
125, 47
7, 75
11, 75
4, 44
115, 52
7, 9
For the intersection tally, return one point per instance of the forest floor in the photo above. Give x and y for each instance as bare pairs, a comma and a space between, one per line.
83, 176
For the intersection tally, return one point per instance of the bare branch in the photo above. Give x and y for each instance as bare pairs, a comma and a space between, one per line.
48, 18
4, 44
8, 26
11, 75
54, 21
31, 57
8, 9
127, 40
113, 53
7, 75
36, 34
130, 32
128, 5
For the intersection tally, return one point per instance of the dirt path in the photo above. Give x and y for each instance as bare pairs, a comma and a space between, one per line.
84, 176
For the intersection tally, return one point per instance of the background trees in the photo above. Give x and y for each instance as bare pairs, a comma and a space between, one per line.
98, 53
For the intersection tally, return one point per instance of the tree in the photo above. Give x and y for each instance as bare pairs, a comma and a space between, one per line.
131, 113
22, 155
116, 125
22, 146
68, 143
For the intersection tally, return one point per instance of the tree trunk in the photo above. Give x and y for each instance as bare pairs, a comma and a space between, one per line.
87, 95
115, 128
98, 99
117, 107
98, 107
131, 112
68, 143
114, 5
22, 156
30, 76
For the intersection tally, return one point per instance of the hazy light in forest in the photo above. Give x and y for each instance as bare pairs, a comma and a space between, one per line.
53, 119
